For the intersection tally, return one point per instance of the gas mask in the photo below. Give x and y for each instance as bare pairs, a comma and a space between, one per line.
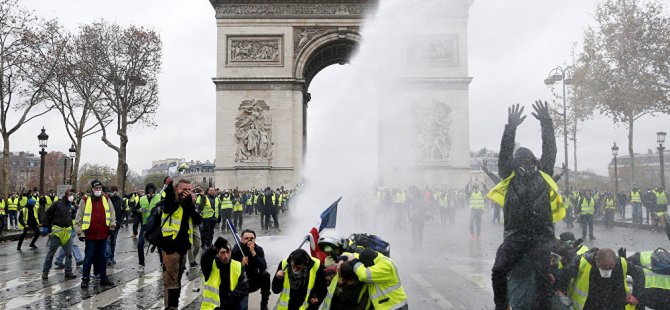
605, 273
526, 166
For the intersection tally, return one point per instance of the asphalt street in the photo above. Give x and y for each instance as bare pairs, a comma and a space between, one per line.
449, 271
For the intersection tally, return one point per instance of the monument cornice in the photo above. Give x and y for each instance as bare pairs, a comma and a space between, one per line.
292, 9
277, 83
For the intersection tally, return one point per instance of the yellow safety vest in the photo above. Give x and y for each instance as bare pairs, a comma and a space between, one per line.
652, 279
477, 200
581, 289
661, 198
146, 206
23, 201
382, 282
285, 295
13, 204
635, 197
609, 203
332, 287
63, 233
444, 200
49, 201
226, 203
210, 296
589, 206
497, 195
88, 209
24, 213
170, 225
2, 207
238, 206
207, 211
582, 249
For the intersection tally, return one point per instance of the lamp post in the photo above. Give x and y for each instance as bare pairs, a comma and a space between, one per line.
555, 75
73, 154
64, 167
615, 152
42, 137
660, 138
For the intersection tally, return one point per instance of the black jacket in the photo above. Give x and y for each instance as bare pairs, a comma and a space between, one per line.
527, 204
257, 264
117, 202
267, 206
297, 297
59, 214
229, 300
181, 244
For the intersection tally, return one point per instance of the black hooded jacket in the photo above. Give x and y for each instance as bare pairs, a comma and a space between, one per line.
527, 202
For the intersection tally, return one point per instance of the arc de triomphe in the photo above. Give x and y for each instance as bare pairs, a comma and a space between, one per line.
268, 52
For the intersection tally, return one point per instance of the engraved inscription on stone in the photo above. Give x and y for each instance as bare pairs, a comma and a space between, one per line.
261, 10
433, 127
258, 50
434, 51
253, 132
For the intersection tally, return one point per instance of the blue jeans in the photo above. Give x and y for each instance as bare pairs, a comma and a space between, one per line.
637, 212
111, 246
13, 220
95, 254
52, 245
75, 251
244, 303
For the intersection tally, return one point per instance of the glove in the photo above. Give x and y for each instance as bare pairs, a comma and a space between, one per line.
44, 231
622, 252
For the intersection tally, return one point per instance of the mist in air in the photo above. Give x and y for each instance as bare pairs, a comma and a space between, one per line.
346, 122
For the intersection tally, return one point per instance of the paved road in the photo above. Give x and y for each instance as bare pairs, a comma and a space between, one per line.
448, 272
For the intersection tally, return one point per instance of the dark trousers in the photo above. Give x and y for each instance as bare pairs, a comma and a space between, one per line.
111, 246
237, 219
95, 255
207, 231
36, 234
508, 254
496, 213
226, 214
3, 222
13, 219
137, 221
609, 217
266, 224
475, 221
584, 221
260, 281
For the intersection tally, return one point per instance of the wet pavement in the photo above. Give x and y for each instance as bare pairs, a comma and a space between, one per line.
448, 272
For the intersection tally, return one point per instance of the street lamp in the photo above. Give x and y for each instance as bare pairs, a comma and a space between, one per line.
555, 75
43, 138
660, 138
73, 154
615, 152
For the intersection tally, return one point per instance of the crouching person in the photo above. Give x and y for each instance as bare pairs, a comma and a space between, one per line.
226, 286
301, 281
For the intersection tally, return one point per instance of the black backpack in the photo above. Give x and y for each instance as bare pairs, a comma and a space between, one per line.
153, 232
357, 242
660, 261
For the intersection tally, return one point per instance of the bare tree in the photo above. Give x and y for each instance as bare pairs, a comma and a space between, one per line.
25, 68
128, 64
625, 63
74, 91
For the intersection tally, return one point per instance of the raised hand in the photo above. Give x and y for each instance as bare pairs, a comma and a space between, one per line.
514, 117
541, 110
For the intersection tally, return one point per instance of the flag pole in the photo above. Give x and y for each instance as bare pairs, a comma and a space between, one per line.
235, 237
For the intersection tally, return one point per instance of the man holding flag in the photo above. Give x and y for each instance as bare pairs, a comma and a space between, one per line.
252, 257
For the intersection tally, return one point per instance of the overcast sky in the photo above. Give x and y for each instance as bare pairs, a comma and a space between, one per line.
512, 45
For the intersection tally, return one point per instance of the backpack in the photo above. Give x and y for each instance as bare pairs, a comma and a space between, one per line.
660, 261
357, 242
153, 232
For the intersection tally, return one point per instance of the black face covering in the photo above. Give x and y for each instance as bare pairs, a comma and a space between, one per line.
526, 168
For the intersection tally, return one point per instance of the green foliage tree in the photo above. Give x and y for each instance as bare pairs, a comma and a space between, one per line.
623, 69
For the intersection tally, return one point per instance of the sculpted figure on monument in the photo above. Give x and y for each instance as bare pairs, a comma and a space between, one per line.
254, 50
253, 132
433, 124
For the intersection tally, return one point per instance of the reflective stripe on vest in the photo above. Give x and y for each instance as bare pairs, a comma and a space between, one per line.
581, 290
497, 194
582, 249
13, 204
210, 296
88, 209
238, 206
146, 206
383, 295
645, 259
207, 210
661, 198
656, 280
2, 207
609, 203
226, 203
170, 225
284, 297
477, 200
588, 206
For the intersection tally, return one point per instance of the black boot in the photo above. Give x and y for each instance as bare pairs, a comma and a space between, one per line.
173, 298
264, 301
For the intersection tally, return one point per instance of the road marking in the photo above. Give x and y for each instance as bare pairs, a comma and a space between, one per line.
437, 297
187, 295
111, 295
30, 298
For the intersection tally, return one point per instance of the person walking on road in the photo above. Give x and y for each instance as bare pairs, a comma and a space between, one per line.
95, 220
146, 203
57, 223
117, 203
476, 211
209, 209
636, 203
178, 218
587, 209
29, 220
532, 204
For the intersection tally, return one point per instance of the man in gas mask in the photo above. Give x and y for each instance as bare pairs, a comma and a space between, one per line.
531, 202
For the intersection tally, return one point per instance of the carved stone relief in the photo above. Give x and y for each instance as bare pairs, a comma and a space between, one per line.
253, 132
434, 51
433, 128
255, 51
293, 10
303, 35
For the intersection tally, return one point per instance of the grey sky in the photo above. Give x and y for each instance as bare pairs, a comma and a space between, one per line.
513, 45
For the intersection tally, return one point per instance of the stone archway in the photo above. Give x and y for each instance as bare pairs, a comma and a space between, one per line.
268, 52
